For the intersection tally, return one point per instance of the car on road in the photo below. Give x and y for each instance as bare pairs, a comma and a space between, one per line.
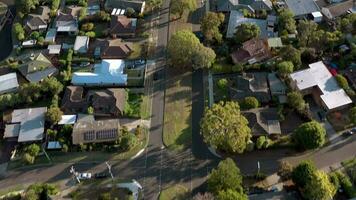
101, 175
158, 75
348, 133
84, 176
84, 64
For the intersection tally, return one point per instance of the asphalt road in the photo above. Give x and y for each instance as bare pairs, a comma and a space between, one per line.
5, 35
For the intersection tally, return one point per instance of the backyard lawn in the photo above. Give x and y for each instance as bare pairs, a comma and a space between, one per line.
176, 192
178, 106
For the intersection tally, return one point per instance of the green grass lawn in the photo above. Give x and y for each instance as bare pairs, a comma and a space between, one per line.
176, 192
177, 131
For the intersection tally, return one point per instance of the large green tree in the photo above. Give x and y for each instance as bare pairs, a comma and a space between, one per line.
246, 32
310, 135
27, 5
302, 173
210, 26
289, 53
319, 187
179, 6
54, 115
185, 50
226, 176
224, 127
352, 115
154, 4
286, 21
285, 67
295, 100
52, 85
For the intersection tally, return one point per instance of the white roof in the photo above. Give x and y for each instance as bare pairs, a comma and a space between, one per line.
237, 18
31, 122
68, 119
318, 75
81, 43
71, 28
108, 72
54, 145
54, 49
8, 82
317, 14
29, 42
12, 130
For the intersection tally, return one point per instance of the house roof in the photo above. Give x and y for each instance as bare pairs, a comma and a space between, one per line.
122, 25
31, 122
68, 119
8, 82
66, 23
108, 72
254, 49
115, 48
251, 84
137, 5
12, 130
263, 121
228, 5
95, 131
302, 7
277, 87
318, 75
335, 10
74, 10
51, 34
54, 49
37, 67
3, 8
275, 42
81, 43
237, 18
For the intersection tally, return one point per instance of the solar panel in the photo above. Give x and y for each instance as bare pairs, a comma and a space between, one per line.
89, 135
106, 134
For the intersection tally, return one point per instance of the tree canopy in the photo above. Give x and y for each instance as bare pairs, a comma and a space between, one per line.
249, 103
246, 32
226, 176
185, 50
319, 187
179, 6
295, 100
286, 21
231, 195
301, 174
310, 135
289, 53
210, 26
224, 127
352, 115
285, 67
54, 115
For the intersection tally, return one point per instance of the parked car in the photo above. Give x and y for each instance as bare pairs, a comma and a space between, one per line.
84, 64
84, 176
322, 116
348, 133
101, 175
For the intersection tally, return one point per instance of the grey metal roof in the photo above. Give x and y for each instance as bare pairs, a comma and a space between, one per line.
8, 83
302, 7
31, 123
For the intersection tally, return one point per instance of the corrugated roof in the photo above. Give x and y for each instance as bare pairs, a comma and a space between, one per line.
8, 83
302, 7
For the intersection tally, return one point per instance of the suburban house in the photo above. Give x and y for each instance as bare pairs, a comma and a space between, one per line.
302, 8
54, 49
122, 26
319, 82
74, 10
237, 18
252, 51
105, 102
68, 120
37, 67
271, 23
250, 5
81, 44
263, 121
251, 84
275, 42
39, 20
277, 87
8, 83
95, 131
112, 49
332, 11
137, 5
107, 73
26, 124
66, 23
51, 35
93, 7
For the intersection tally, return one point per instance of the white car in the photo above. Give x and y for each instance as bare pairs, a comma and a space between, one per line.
84, 176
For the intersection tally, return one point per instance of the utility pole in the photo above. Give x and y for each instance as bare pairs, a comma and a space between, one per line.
109, 168
72, 171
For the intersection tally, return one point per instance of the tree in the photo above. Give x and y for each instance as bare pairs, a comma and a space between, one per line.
289, 53
82, 13
19, 31
342, 81
52, 85
55, 4
224, 127
27, 158
128, 141
185, 50
90, 110
246, 32
226, 176
286, 21
352, 115
262, 142
302, 174
310, 135
295, 100
51, 133
306, 32
231, 195
103, 16
54, 115
222, 84
319, 187
249, 103
204, 196
35, 35
130, 12
154, 4
179, 6
27, 5
285, 170
210, 26
87, 27
285, 67
33, 149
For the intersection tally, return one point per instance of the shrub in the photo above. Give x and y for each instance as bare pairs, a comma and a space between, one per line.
342, 81
222, 84
346, 184
28, 159
263, 142
128, 141
285, 170
310, 135
249, 103
302, 174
